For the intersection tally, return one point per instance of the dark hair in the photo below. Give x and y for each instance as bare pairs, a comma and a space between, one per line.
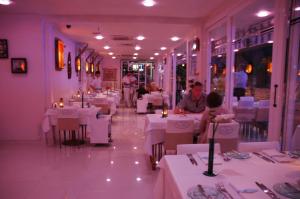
97, 73
214, 100
197, 84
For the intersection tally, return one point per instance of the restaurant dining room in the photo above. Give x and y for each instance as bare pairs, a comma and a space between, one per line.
150, 99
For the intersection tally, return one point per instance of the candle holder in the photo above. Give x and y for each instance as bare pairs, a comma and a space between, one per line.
211, 152
61, 103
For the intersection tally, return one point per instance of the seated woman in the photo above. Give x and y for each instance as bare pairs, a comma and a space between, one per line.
214, 107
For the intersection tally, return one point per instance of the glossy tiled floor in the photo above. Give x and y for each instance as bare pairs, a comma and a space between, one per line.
122, 170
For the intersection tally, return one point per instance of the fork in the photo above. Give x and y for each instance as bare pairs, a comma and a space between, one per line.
220, 187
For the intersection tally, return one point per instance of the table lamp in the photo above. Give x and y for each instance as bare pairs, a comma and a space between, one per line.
61, 102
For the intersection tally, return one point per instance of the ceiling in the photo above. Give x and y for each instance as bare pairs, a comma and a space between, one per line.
122, 17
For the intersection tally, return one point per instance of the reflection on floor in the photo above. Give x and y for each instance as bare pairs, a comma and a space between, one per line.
33, 170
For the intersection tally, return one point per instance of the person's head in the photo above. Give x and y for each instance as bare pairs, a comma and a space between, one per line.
97, 73
197, 90
241, 67
214, 100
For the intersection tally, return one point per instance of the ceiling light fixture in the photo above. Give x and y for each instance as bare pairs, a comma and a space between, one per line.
5, 2
236, 50
270, 41
163, 48
110, 53
99, 37
135, 54
151, 58
140, 37
148, 3
179, 54
156, 54
134, 57
106, 47
137, 48
175, 38
113, 57
263, 13
297, 8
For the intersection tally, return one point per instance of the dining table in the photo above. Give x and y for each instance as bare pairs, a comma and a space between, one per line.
155, 129
179, 178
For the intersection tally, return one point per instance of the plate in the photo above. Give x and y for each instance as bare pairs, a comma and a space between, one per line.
194, 193
238, 155
287, 191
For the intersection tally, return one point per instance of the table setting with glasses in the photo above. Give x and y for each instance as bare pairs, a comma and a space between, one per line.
260, 175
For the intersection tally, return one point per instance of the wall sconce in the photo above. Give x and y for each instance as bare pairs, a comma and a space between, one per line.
92, 68
77, 64
61, 103
249, 69
87, 67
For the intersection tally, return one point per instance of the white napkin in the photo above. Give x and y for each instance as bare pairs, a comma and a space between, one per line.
204, 158
241, 185
277, 156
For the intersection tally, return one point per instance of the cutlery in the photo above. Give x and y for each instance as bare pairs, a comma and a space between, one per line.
263, 157
192, 159
293, 189
266, 190
202, 191
220, 187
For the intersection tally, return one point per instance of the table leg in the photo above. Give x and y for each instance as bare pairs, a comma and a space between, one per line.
53, 134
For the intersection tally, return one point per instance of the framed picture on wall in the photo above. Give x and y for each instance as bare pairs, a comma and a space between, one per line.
109, 74
3, 49
59, 54
18, 65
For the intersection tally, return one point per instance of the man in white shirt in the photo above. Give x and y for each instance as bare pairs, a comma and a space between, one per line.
240, 82
127, 89
96, 82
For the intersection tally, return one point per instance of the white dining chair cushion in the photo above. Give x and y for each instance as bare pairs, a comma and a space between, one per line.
194, 148
257, 146
225, 130
180, 126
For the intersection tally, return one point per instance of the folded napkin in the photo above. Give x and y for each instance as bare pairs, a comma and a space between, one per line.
277, 156
204, 158
241, 185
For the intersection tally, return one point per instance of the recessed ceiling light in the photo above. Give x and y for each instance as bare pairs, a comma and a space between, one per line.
106, 47
134, 57
263, 13
5, 2
175, 38
151, 58
297, 8
163, 48
138, 179
236, 50
110, 53
114, 57
137, 48
212, 39
108, 179
194, 55
135, 54
219, 55
156, 54
270, 41
148, 3
99, 37
140, 37
179, 54
136, 162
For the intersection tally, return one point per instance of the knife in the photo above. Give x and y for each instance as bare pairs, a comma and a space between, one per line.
267, 191
202, 191
192, 159
263, 157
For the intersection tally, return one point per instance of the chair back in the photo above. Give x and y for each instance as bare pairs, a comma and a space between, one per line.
244, 114
262, 114
157, 101
178, 132
263, 103
296, 139
227, 134
104, 108
68, 113
247, 98
194, 148
68, 124
246, 104
100, 100
257, 146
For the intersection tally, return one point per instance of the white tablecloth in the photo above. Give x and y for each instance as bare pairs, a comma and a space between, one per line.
155, 127
177, 175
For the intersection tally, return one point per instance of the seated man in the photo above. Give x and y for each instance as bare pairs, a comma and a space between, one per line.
214, 103
193, 102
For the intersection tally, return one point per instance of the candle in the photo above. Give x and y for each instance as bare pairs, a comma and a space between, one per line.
61, 103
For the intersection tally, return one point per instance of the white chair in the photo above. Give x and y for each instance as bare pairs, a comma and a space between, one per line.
296, 139
247, 98
257, 146
227, 134
246, 104
141, 105
245, 116
261, 121
194, 148
178, 132
263, 103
